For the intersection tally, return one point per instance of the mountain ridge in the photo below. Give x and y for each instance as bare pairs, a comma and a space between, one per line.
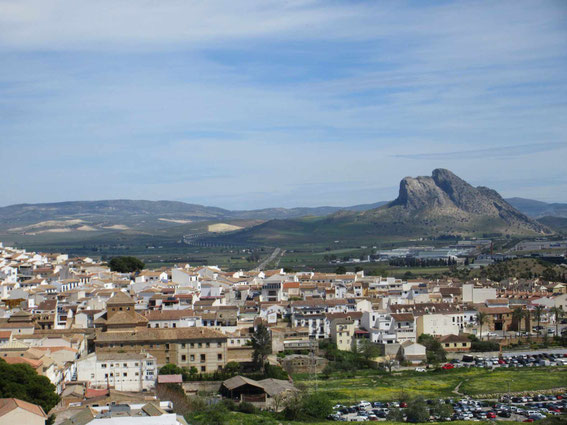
426, 206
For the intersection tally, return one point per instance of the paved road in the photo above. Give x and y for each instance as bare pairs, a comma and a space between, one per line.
269, 259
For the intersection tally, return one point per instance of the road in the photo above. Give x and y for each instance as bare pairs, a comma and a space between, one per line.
277, 252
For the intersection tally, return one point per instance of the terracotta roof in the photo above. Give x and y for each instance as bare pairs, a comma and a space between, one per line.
120, 298
168, 314
160, 334
92, 393
18, 360
494, 310
403, 317
454, 338
9, 404
170, 379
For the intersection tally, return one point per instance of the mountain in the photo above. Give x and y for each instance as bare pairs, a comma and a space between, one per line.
538, 209
125, 215
430, 206
447, 203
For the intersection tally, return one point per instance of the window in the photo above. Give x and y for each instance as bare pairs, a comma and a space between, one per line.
183, 358
136, 364
220, 356
192, 345
106, 375
200, 345
208, 345
183, 345
203, 358
124, 365
103, 365
192, 357
203, 369
124, 374
219, 344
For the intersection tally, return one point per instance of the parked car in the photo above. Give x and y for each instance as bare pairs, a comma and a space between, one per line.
448, 366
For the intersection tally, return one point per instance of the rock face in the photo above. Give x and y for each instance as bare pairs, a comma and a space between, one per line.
448, 203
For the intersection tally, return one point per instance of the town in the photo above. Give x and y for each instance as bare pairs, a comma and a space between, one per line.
113, 342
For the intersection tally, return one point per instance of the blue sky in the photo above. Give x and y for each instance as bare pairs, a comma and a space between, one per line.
252, 104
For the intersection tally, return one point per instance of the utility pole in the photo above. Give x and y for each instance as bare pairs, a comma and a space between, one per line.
313, 366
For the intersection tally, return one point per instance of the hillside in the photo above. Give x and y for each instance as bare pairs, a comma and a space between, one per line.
558, 224
441, 204
538, 209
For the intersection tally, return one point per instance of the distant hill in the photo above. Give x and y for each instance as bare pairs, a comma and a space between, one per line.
125, 215
537, 208
442, 204
558, 224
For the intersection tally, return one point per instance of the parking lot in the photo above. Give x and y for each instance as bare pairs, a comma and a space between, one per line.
518, 409
508, 407
509, 360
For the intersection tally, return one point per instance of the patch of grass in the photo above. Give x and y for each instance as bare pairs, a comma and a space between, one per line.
518, 379
375, 386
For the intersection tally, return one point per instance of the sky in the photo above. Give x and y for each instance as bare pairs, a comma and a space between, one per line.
251, 104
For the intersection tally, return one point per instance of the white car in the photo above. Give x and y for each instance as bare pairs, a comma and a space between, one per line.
420, 369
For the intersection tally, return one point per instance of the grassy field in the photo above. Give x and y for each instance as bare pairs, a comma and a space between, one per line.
380, 387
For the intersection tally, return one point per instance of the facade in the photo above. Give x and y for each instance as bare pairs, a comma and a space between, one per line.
455, 343
436, 324
120, 371
342, 333
202, 348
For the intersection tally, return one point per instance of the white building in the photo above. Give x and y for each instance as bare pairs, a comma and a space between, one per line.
121, 371
477, 295
436, 324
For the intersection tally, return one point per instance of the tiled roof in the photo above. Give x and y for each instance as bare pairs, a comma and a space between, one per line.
9, 404
159, 334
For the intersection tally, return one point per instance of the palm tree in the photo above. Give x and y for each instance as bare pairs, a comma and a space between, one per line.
517, 315
558, 313
481, 319
538, 313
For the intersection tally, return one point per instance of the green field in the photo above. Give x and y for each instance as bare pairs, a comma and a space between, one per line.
373, 386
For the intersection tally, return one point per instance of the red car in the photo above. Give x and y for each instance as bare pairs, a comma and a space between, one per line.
491, 415
403, 404
448, 366
528, 420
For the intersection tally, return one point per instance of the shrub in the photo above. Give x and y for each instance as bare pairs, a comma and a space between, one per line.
484, 346
246, 407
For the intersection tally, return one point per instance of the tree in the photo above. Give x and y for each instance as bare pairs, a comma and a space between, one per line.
517, 315
417, 410
262, 345
538, 312
368, 350
21, 381
441, 410
170, 369
316, 405
340, 270
125, 264
395, 415
232, 368
558, 313
481, 319
434, 350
